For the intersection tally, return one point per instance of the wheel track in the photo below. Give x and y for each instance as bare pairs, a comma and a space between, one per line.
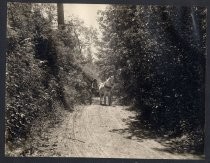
90, 132
96, 145
100, 120
94, 149
76, 124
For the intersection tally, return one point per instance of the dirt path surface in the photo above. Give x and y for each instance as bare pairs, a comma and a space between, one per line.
102, 132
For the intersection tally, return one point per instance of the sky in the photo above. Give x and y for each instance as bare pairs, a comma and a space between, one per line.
86, 12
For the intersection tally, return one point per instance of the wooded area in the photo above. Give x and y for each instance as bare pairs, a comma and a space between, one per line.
157, 53
45, 67
160, 52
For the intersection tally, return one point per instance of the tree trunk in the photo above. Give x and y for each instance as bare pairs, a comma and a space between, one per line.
60, 14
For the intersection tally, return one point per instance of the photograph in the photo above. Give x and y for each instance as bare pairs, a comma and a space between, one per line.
105, 81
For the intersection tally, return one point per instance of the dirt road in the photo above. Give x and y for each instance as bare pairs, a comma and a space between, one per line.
103, 132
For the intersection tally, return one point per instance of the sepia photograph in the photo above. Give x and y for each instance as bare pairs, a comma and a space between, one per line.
105, 81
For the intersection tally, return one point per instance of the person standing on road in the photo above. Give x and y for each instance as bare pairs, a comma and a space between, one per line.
94, 87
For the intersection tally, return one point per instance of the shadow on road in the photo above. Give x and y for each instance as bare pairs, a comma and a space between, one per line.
138, 131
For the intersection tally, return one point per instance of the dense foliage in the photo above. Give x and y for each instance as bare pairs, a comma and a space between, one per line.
158, 55
43, 67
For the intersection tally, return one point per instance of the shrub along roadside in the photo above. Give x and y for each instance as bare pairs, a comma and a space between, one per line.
160, 52
41, 70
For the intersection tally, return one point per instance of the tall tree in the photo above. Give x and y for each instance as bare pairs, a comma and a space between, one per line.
60, 14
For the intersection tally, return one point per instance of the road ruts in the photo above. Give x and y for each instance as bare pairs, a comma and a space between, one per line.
102, 132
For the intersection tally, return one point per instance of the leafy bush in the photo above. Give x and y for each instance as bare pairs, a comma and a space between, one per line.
158, 54
42, 71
